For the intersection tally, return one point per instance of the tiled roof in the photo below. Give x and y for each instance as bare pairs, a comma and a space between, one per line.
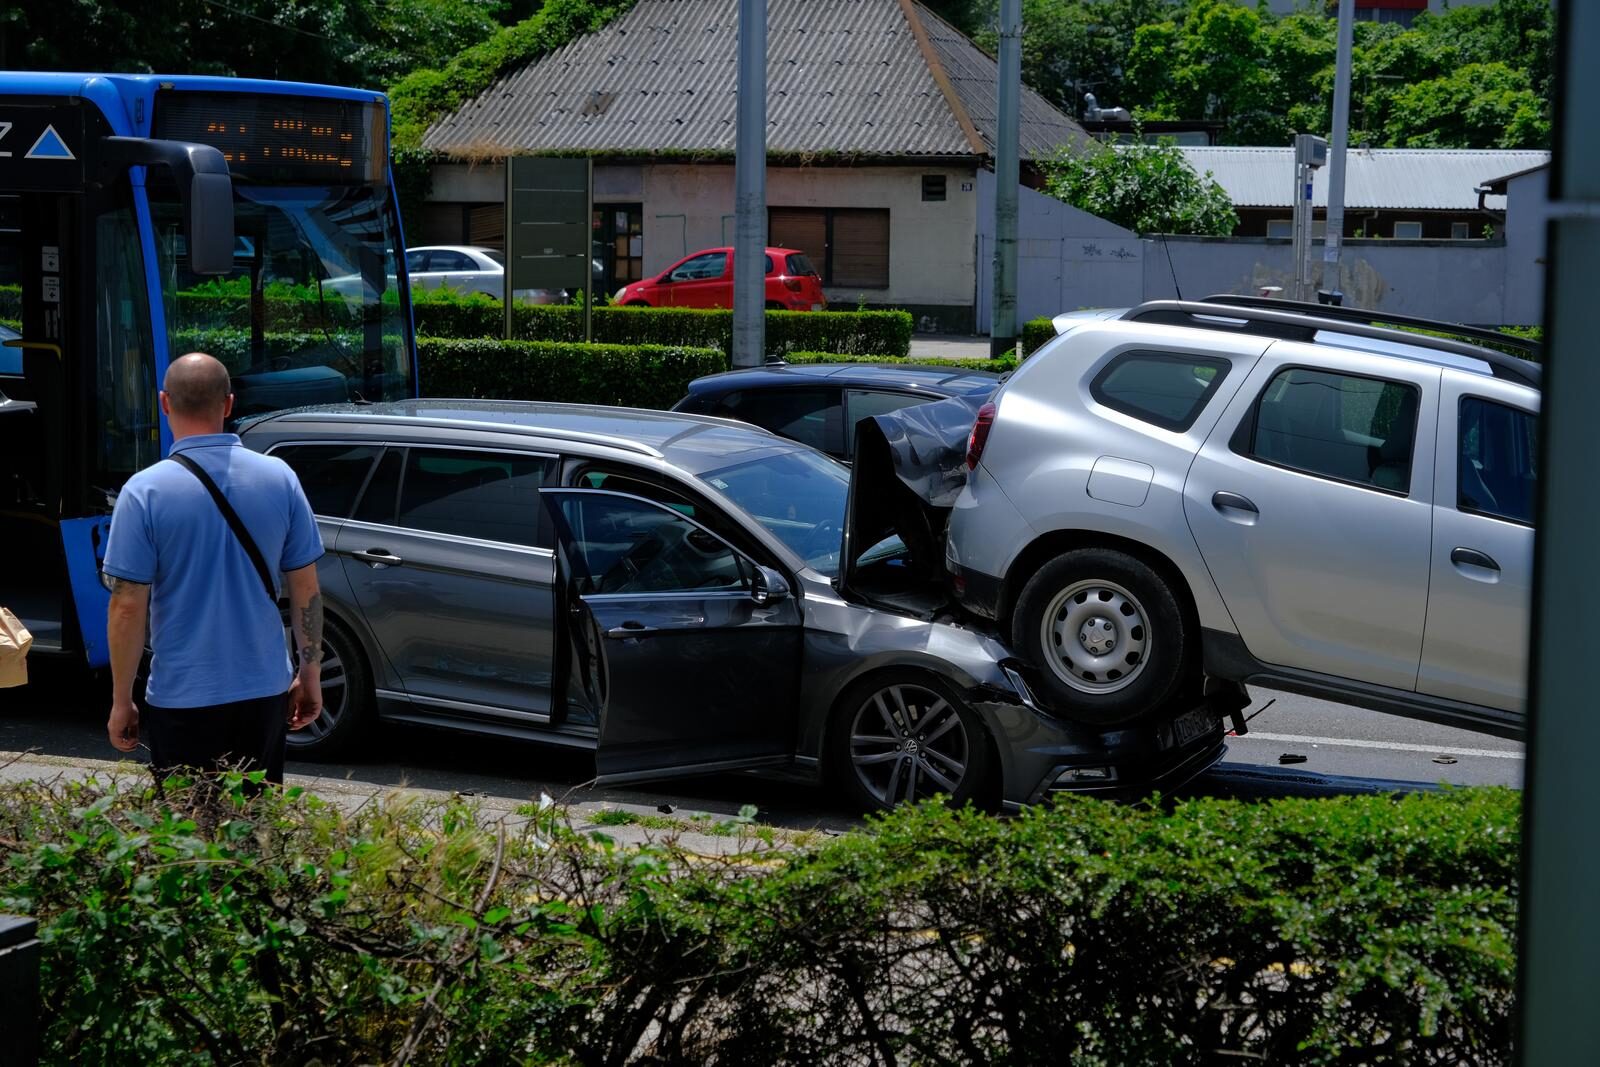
844, 77
1418, 179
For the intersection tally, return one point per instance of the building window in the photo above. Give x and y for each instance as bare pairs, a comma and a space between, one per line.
1460, 231
618, 245
1280, 227
932, 187
850, 246
1411, 230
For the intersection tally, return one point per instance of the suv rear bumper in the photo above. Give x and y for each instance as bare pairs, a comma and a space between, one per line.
976, 591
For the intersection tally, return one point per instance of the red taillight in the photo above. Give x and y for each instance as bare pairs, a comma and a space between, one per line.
980, 435
792, 284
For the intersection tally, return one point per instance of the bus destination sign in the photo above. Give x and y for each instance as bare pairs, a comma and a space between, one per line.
281, 138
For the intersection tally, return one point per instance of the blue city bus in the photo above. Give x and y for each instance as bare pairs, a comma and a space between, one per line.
143, 217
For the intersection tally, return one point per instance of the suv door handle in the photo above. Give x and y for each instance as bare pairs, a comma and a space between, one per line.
1471, 557
630, 629
1235, 508
378, 557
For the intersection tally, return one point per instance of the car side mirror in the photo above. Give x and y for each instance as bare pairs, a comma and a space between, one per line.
767, 586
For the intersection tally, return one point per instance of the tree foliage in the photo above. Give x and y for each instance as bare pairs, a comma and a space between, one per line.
1471, 76
1148, 188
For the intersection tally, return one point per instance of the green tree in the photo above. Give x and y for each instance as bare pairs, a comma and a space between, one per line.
1480, 104
1148, 188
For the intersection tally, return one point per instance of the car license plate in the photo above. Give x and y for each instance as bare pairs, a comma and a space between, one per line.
816, 307
1192, 724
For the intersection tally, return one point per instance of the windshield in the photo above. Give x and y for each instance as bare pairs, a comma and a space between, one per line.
799, 496
311, 313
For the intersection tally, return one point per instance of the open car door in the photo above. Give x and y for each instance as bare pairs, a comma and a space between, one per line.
689, 651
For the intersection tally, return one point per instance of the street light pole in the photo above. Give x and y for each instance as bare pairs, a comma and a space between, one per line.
750, 189
1007, 177
1333, 236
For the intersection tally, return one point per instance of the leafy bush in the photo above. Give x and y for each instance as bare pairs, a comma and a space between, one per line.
994, 366
843, 332
1147, 188
1035, 332
652, 376
1373, 930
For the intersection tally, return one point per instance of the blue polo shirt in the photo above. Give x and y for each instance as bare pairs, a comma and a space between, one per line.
216, 637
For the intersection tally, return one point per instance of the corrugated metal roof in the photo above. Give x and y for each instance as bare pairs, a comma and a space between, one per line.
1420, 179
843, 76
972, 72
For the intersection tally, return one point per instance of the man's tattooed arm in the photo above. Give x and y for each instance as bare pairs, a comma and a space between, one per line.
311, 630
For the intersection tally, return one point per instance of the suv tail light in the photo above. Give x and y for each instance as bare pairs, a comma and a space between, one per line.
792, 284
980, 435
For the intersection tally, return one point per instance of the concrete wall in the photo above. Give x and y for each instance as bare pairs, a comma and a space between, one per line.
932, 254
1457, 281
1066, 258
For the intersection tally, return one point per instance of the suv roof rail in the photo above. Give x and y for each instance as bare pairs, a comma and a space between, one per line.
1365, 317
1294, 324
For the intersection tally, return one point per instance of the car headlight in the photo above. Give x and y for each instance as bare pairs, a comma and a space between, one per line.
617, 297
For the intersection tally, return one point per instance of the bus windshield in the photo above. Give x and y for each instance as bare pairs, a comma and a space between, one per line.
311, 313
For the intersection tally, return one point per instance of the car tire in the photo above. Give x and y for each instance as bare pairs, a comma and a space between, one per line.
897, 761
346, 694
1106, 634
773, 305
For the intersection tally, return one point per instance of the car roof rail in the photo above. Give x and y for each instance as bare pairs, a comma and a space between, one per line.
1298, 325
1366, 317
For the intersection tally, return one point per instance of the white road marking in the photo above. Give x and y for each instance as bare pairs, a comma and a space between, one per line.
1397, 746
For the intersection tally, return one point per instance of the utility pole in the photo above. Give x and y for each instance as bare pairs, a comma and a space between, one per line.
1333, 236
750, 190
1007, 176
1310, 152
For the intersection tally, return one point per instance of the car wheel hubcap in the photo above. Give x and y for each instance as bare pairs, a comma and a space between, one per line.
908, 742
1096, 636
335, 694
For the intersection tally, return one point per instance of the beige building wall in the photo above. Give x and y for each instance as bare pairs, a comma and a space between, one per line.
687, 207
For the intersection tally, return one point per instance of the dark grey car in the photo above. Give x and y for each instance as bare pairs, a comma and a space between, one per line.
662, 589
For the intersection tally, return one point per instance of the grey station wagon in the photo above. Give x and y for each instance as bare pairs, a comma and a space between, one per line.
661, 589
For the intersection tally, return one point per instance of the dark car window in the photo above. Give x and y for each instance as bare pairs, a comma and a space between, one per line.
863, 404
416, 262
699, 268
798, 496
493, 496
1497, 470
331, 475
810, 416
621, 545
378, 499
770, 264
1342, 426
1163, 388
445, 260
799, 264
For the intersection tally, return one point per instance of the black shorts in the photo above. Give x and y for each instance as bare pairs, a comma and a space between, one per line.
247, 734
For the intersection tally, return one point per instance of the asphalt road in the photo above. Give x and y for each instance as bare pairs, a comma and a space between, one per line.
1346, 750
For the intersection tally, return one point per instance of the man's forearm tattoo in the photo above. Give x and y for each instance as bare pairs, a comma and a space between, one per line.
311, 630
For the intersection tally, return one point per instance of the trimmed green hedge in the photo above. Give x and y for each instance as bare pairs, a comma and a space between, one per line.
1035, 332
996, 366
842, 332
649, 376
182, 929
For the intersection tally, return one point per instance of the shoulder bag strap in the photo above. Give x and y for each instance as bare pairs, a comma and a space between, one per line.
235, 523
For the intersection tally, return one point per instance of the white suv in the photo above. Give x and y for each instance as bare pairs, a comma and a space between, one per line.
1260, 492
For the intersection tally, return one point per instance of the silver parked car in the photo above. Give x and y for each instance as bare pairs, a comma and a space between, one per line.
1258, 492
663, 590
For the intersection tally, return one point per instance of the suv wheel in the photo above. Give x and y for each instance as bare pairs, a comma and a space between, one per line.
1106, 633
902, 737
346, 696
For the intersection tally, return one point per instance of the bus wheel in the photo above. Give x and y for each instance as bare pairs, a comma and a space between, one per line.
346, 697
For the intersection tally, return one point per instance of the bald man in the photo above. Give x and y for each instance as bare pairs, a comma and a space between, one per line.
222, 689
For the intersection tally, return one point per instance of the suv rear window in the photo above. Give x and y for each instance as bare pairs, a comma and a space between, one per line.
1166, 389
799, 264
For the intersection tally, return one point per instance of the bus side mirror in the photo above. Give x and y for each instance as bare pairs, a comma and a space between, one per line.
204, 185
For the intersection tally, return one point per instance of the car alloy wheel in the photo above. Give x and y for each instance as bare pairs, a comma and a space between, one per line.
906, 743
1096, 635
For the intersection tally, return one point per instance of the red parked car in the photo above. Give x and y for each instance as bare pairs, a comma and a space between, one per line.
705, 280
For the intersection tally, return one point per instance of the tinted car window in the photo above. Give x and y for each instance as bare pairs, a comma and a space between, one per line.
378, 500
710, 265
799, 264
1162, 388
450, 261
416, 262
331, 475
621, 545
810, 416
1497, 467
1355, 429
860, 405
489, 495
